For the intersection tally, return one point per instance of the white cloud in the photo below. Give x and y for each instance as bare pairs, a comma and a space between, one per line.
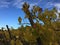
19, 3
4, 4
50, 4
15, 3
32, 4
57, 5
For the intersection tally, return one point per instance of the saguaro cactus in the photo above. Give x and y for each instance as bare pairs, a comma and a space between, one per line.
9, 32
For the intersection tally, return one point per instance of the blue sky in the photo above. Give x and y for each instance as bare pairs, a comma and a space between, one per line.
10, 10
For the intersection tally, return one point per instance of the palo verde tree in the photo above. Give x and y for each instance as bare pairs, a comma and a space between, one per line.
46, 16
26, 10
45, 32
